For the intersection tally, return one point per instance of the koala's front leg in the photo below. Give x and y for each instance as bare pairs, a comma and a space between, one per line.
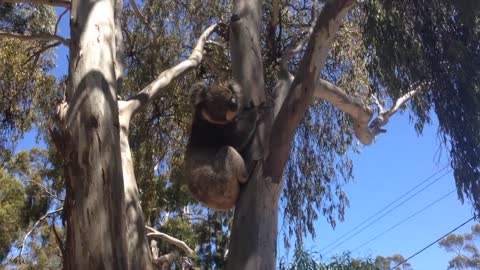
231, 164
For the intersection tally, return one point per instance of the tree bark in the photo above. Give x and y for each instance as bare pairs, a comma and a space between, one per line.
254, 230
95, 200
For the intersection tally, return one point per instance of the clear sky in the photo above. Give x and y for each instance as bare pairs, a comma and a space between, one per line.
398, 161
384, 171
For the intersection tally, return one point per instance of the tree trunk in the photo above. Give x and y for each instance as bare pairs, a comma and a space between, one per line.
254, 231
138, 248
95, 200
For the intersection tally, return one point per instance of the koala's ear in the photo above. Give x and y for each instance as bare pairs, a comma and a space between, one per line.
235, 88
198, 93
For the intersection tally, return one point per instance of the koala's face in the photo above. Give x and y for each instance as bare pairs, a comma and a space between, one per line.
217, 104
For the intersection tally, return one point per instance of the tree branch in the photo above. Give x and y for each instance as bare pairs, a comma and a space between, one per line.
285, 79
35, 226
55, 3
301, 91
376, 125
137, 102
46, 37
172, 240
361, 113
139, 14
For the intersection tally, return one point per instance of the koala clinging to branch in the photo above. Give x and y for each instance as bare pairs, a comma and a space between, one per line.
221, 128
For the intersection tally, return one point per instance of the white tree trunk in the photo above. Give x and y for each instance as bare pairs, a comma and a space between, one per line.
95, 200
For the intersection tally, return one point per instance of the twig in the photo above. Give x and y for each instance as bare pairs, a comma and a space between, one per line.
47, 37
139, 14
59, 19
35, 226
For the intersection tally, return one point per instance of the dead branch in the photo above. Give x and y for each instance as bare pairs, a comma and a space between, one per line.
55, 3
45, 37
381, 120
361, 113
172, 240
35, 226
137, 102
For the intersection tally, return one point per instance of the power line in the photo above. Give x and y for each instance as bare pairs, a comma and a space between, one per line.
384, 208
386, 213
433, 243
402, 221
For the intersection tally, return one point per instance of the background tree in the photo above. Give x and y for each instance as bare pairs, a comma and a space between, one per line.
464, 246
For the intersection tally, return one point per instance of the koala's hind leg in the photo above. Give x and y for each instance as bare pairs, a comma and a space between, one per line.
215, 180
231, 163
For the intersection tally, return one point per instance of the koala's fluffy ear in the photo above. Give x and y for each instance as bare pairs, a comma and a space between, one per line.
198, 93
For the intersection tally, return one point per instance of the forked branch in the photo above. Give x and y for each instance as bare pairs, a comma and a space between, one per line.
138, 102
172, 240
301, 91
285, 78
44, 37
365, 129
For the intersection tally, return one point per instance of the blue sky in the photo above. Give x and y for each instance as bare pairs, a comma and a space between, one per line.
391, 166
398, 161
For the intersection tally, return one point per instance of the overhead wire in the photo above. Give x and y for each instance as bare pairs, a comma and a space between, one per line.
403, 220
386, 207
433, 243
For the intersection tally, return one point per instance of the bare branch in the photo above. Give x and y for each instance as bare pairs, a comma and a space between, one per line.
46, 37
360, 113
35, 226
375, 127
59, 19
378, 103
139, 14
55, 3
137, 102
172, 240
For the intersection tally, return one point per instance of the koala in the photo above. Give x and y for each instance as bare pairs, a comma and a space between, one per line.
222, 127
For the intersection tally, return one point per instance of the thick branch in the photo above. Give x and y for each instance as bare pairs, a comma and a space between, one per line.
285, 78
55, 3
301, 92
137, 102
172, 240
46, 37
360, 113
35, 226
